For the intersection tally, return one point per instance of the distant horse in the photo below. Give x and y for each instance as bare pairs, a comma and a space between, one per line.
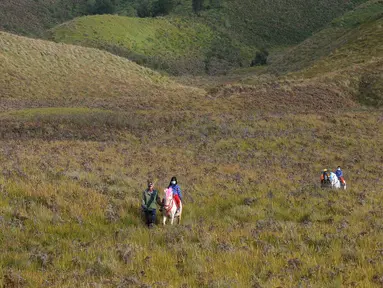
170, 208
335, 183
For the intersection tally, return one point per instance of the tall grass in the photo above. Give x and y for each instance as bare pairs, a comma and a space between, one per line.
90, 129
70, 208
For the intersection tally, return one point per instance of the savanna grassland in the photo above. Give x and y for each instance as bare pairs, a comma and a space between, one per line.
81, 130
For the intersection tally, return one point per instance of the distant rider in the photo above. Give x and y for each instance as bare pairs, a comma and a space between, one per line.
339, 174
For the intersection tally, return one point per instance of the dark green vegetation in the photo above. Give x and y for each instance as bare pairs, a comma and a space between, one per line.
32, 18
274, 23
356, 36
181, 46
175, 45
81, 130
240, 28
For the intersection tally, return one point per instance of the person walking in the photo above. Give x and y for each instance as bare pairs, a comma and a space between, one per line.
150, 200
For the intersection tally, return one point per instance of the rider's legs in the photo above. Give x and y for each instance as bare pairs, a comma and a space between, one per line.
178, 201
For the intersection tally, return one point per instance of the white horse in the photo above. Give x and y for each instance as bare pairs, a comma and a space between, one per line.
170, 208
335, 183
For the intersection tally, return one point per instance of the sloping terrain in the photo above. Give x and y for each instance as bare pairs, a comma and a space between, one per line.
253, 22
51, 74
276, 23
176, 45
347, 68
181, 46
343, 33
81, 130
34, 17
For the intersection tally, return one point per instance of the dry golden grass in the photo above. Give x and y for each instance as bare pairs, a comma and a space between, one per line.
49, 74
70, 207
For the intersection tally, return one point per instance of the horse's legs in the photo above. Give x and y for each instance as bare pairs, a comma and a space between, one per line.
172, 219
164, 220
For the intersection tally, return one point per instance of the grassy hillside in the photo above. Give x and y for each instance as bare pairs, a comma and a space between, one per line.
34, 17
185, 45
81, 130
346, 58
253, 22
224, 36
275, 23
357, 65
176, 45
57, 74
346, 34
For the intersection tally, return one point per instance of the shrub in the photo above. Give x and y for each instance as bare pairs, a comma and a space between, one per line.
101, 7
370, 90
197, 6
144, 9
260, 58
162, 7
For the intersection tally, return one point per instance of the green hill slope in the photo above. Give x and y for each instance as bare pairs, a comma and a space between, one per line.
176, 45
347, 56
343, 33
183, 45
34, 17
274, 23
55, 74
253, 22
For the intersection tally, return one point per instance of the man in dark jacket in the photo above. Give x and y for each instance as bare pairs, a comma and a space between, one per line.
150, 199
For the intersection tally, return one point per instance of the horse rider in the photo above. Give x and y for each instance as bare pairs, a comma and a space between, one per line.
150, 199
339, 174
176, 192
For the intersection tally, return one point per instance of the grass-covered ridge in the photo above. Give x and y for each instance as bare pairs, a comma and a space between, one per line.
32, 18
176, 45
254, 22
345, 58
65, 75
277, 23
356, 35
